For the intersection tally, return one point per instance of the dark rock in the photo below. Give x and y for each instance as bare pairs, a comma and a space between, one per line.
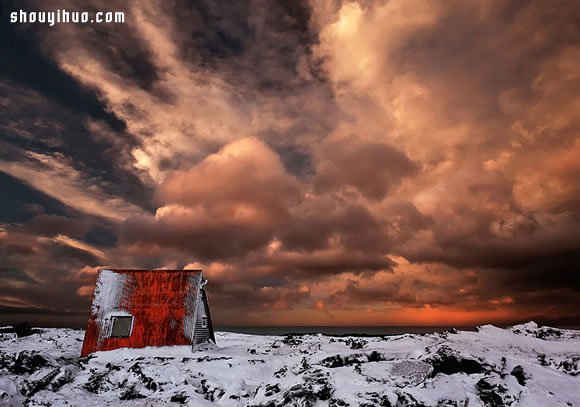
292, 340
131, 394
301, 367
446, 362
570, 366
375, 399
340, 361
542, 360
281, 373
519, 374
315, 387
211, 359
309, 392
179, 398
85, 361
163, 358
375, 356
21, 329
38, 381
23, 362
98, 382
356, 343
112, 367
337, 403
546, 333
272, 389
149, 383
405, 399
452, 403
64, 376
503, 362
490, 395
209, 392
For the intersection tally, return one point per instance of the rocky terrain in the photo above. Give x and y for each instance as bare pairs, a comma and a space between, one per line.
525, 365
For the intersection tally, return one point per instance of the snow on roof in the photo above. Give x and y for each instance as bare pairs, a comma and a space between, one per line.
150, 270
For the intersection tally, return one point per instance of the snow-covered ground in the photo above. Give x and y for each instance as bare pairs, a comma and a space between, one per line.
525, 365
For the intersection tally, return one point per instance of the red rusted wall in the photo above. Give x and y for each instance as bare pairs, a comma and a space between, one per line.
157, 302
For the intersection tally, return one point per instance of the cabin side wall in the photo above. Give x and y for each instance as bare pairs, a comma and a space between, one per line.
203, 324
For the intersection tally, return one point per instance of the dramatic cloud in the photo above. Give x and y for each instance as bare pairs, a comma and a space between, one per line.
372, 168
227, 205
348, 162
55, 176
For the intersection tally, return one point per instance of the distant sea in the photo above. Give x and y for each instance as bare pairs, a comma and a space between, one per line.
340, 330
353, 330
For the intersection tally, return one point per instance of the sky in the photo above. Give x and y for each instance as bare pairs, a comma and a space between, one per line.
325, 162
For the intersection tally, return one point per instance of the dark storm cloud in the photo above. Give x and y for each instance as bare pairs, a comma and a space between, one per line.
479, 223
19, 243
50, 110
296, 160
266, 35
562, 269
372, 168
205, 240
39, 124
44, 276
258, 298
25, 201
51, 225
404, 221
26, 64
317, 220
415, 287
218, 30
12, 272
312, 267
354, 292
262, 50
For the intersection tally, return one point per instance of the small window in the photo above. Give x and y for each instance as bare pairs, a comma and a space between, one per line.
121, 326
204, 322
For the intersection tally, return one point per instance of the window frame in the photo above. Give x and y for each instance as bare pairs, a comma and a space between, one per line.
112, 323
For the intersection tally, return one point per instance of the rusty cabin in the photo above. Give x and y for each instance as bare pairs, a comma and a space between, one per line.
139, 308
